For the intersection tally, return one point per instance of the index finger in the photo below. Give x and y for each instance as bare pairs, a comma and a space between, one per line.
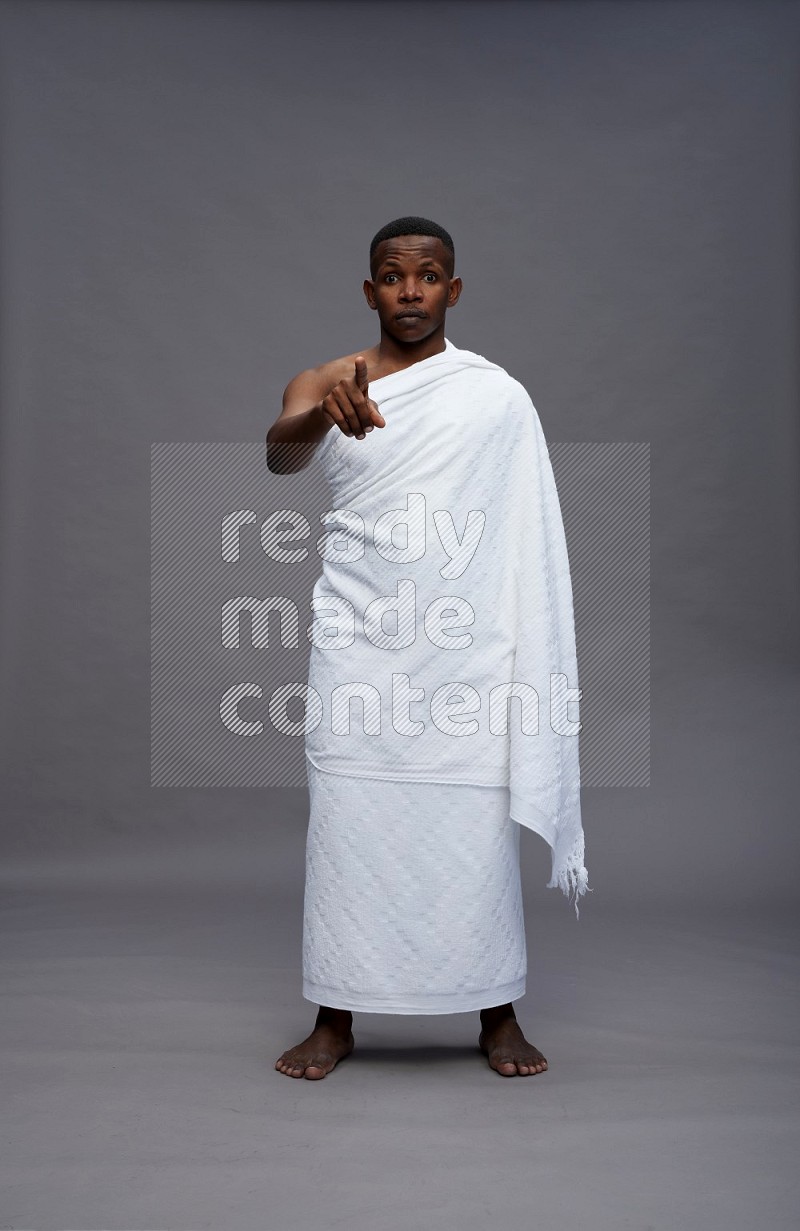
362, 380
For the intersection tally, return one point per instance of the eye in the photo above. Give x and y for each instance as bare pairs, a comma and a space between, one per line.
430, 276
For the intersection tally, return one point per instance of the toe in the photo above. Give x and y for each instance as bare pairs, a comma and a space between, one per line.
315, 1071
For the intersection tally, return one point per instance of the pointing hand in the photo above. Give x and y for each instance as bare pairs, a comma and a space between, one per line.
347, 404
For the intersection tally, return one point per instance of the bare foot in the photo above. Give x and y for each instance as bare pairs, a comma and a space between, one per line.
503, 1043
314, 1058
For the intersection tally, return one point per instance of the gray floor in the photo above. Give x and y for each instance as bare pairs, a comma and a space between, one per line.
143, 1016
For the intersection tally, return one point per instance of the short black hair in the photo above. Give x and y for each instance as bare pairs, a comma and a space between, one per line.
411, 225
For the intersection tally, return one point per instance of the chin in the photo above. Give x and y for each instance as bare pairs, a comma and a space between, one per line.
411, 333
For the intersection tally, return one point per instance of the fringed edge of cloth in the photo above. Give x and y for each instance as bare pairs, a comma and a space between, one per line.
569, 874
569, 848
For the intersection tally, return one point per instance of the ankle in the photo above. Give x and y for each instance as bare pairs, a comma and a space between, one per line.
497, 1014
338, 1019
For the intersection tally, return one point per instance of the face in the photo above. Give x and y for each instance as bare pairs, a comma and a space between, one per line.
411, 289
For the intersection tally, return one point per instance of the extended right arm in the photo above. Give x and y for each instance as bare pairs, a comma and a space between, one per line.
293, 438
311, 408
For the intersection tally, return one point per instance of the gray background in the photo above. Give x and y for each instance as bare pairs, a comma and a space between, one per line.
188, 195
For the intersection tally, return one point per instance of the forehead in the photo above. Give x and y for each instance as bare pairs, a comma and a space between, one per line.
411, 247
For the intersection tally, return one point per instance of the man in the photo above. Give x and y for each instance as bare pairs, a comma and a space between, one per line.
399, 869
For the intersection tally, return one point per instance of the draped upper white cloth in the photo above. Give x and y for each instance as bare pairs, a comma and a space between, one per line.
445, 591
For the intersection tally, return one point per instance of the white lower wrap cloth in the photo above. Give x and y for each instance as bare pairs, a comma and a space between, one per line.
413, 901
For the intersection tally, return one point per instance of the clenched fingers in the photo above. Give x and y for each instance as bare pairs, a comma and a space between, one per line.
353, 408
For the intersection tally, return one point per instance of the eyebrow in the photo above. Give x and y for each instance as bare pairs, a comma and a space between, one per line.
427, 260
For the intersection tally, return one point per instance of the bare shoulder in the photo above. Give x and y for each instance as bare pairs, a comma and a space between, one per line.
312, 384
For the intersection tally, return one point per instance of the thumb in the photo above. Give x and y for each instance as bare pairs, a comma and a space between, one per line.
362, 379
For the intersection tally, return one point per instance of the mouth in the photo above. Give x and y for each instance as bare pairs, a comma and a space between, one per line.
410, 312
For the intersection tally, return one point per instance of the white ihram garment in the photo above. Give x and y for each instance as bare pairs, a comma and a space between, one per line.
449, 518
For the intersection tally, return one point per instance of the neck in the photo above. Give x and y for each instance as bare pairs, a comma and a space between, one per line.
394, 354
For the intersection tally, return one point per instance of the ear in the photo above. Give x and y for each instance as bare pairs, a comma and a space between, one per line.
369, 292
454, 292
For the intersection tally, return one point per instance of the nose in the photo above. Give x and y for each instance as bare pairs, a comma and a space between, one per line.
410, 290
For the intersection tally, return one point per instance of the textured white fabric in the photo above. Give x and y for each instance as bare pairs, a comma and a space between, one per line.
449, 518
413, 901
